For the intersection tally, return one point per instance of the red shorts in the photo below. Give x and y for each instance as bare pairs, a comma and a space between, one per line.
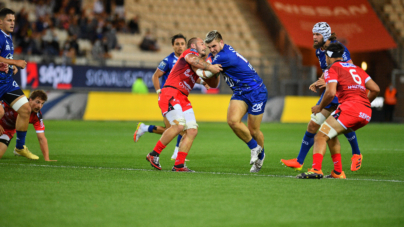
353, 115
169, 97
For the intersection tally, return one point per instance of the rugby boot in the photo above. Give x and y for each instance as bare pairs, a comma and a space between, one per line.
25, 152
257, 165
182, 169
311, 174
292, 163
254, 154
154, 161
356, 162
337, 176
139, 132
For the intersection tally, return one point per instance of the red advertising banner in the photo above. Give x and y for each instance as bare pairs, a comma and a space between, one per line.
354, 22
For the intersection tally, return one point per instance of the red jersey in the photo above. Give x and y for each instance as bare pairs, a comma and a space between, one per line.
351, 82
10, 117
182, 77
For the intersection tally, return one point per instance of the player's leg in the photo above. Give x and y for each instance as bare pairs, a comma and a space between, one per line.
357, 157
177, 145
237, 109
254, 124
191, 130
4, 141
335, 150
328, 130
19, 102
143, 128
308, 139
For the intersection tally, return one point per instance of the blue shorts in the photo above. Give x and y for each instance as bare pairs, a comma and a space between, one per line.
334, 103
8, 87
255, 100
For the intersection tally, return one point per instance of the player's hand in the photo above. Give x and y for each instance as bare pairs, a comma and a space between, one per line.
15, 70
316, 109
320, 83
206, 86
215, 68
21, 63
313, 87
4, 67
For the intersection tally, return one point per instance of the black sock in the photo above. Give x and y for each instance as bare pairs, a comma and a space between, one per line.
153, 153
338, 173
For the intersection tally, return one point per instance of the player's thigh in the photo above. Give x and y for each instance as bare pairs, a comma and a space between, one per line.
4, 142
237, 109
16, 99
331, 127
190, 120
166, 123
254, 121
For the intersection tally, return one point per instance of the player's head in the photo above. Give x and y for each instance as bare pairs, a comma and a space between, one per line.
334, 52
7, 20
179, 43
214, 41
321, 33
197, 44
37, 99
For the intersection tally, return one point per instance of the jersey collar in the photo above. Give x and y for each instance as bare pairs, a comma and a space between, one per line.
9, 36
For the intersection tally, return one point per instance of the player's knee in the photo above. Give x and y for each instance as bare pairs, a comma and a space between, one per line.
191, 125
316, 121
192, 132
232, 123
327, 131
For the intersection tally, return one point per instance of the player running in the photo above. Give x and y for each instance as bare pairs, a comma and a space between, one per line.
10, 92
322, 37
175, 106
163, 70
7, 125
249, 96
349, 83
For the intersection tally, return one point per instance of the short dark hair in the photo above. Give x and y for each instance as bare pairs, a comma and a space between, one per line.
5, 11
177, 36
333, 37
213, 35
192, 41
337, 48
39, 94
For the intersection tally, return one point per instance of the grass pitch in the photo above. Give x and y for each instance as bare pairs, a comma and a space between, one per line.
101, 178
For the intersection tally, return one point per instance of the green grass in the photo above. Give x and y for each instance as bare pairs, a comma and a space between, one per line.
101, 178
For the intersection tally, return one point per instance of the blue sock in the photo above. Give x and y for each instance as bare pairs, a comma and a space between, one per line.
354, 142
252, 144
151, 127
261, 155
179, 137
307, 143
20, 139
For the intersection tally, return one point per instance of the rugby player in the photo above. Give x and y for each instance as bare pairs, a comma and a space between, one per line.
8, 121
179, 43
349, 83
322, 37
10, 92
249, 96
175, 106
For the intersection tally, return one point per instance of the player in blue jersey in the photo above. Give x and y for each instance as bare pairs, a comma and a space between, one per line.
249, 96
10, 92
322, 37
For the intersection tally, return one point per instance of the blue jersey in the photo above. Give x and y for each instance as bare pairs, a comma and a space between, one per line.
237, 71
166, 65
7, 52
321, 56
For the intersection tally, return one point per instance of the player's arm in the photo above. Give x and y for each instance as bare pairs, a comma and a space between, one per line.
199, 63
20, 63
373, 89
156, 81
43, 143
329, 94
15, 70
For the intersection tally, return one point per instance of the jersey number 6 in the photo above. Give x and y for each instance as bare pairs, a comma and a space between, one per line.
355, 77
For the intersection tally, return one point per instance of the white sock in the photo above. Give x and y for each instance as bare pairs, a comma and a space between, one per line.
175, 153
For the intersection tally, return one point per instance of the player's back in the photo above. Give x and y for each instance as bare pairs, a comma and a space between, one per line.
182, 77
351, 82
238, 72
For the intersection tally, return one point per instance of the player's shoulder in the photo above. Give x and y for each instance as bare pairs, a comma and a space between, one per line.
190, 51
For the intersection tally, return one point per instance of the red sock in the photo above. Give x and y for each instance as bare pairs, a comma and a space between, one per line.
180, 158
159, 147
336, 158
317, 161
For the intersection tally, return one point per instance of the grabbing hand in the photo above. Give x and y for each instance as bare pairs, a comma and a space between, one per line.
315, 109
4, 67
215, 68
21, 63
15, 70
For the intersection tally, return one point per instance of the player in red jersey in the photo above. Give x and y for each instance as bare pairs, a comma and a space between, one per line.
175, 106
8, 122
349, 83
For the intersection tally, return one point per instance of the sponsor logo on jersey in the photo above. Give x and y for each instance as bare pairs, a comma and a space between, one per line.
348, 65
356, 87
257, 107
214, 59
7, 47
326, 76
162, 64
364, 116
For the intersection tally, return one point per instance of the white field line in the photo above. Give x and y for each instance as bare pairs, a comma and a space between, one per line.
152, 170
